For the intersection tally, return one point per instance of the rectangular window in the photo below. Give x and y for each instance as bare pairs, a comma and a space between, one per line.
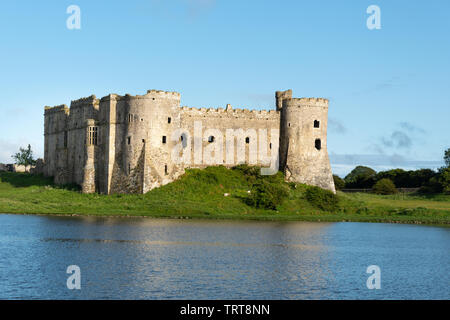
92, 136
169, 120
164, 139
129, 140
165, 170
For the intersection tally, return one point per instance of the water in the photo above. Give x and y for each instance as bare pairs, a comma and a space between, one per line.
136, 258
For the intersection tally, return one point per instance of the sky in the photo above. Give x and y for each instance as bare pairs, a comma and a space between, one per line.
388, 88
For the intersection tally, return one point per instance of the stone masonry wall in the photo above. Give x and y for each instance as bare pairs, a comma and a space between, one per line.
137, 136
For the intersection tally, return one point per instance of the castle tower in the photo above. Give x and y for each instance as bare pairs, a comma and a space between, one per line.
303, 142
280, 96
89, 171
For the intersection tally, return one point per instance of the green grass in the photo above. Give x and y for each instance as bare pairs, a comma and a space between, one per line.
200, 194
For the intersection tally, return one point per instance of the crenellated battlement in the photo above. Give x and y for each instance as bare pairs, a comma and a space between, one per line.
229, 111
161, 93
84, 101
151, 94
313, 102
55, 109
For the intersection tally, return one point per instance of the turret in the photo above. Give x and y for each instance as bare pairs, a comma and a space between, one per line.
303, 142
280, 96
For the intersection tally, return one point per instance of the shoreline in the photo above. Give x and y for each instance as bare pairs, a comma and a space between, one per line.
218, 193
318, 219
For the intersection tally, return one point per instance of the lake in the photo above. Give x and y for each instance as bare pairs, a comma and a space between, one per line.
141, 258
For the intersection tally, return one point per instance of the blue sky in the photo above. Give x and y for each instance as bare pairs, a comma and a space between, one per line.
388, 88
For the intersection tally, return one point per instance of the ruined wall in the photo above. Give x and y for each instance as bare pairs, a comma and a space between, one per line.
241, 127
140, 140
55, 123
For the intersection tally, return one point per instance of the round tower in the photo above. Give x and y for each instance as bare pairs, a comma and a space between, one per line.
148, 122
303, 142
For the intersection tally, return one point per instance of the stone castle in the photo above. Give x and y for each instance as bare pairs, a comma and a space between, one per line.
124, 144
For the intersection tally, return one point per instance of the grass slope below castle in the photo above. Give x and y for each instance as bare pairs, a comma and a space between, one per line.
200, 194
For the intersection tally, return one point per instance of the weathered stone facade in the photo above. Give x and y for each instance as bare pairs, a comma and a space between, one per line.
125, 144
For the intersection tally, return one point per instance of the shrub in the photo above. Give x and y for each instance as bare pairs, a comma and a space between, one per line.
267, 195
384, 186
322, 199
339, 183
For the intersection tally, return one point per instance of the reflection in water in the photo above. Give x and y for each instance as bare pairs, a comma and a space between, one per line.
137, 258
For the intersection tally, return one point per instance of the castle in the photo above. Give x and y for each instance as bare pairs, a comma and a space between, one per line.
126, 144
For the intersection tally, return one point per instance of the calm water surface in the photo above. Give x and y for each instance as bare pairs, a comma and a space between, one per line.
136, 258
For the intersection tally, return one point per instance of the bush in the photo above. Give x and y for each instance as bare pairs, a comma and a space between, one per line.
322, 199
339, 183
384, 186
267, 195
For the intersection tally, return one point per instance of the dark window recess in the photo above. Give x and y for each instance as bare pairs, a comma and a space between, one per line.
289, 124
211, 139
316, 124
270, 146
164, 139
247, 140
318, 144
165, 170
183, 140
143, 140
129, 140
65, 139
169, 120
129, 168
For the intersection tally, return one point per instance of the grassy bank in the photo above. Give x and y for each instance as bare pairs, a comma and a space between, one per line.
200, 194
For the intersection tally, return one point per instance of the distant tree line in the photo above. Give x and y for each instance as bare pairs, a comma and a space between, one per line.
429, 181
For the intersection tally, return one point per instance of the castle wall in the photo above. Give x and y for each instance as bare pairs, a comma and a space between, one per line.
228, 122
54, 151
145, 141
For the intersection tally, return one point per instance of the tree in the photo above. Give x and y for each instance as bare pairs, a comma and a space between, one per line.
360, 177
384, 186
339, 183
445, 180
24, 157
447, 157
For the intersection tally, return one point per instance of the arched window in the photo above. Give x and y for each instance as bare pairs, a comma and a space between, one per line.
247, 140
183, 140
211, 139
316, 124
318, 144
